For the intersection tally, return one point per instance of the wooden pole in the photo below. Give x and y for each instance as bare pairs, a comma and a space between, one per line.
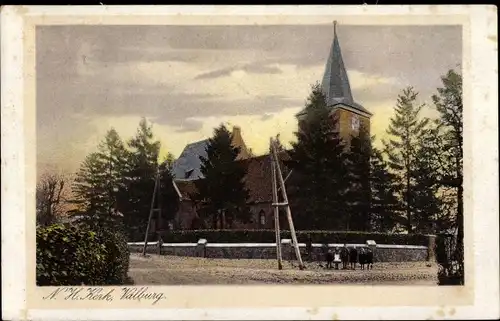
157, 178
288, 211
276, 213
286, 178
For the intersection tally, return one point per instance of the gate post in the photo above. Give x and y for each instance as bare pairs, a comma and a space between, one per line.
201, 247
431, 248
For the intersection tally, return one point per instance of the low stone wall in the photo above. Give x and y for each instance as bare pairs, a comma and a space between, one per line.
181, 249
401, 253
241, 250
382, 252
138, 247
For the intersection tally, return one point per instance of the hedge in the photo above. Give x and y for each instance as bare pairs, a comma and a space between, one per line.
117, 256
68, 254
268, 236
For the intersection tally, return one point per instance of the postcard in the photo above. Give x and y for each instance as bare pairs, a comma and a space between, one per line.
249, 162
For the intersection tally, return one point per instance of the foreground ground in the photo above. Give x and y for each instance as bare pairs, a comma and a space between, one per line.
176, 270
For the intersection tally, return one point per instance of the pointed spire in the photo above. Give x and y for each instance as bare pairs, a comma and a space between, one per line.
335, 81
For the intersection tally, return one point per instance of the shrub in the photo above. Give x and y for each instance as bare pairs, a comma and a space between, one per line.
268, 236
117, 256
79, 254
68, 255
450, 260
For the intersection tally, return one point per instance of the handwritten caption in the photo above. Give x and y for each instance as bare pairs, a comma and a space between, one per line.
139, 294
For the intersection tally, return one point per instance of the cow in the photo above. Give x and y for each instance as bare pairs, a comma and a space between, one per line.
362, 258
369, 259
366, 258
344, 256
329, 258
353, 257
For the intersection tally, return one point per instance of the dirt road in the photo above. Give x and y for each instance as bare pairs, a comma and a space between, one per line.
176, 270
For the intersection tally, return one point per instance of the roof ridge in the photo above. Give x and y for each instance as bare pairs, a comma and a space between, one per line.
197, 142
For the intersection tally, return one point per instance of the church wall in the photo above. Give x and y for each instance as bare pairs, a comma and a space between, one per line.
186, 214
344, 119
266, 209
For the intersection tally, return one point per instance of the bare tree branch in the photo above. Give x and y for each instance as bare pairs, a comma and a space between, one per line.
49, 198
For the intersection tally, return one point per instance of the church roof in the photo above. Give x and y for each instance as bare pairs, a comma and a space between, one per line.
335, 81
188, 165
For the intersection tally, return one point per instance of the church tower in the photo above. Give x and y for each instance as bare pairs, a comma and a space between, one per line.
351, 116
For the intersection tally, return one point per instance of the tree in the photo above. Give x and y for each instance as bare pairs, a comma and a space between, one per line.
140, 179
447, 145
384, 204
222, 195
168, 198
319, 165
448, 139
405, 129
358, 174
279, 145
282, 152
425, 193
168, 161
50, 198
100, 181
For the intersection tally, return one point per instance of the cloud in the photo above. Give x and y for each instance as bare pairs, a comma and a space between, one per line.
254, 68
216, 73
266, 117
186, 79
190, 125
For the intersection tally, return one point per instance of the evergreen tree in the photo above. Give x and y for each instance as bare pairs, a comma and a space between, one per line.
405, 129
282, 156
168, 161
279, 145
384, 204
447, 145
140, 178
319, 166
99, 181
168, 198
425, 193
358, 175
221, 194
447, 140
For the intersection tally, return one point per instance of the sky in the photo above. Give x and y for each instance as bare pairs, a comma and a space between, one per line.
186, 80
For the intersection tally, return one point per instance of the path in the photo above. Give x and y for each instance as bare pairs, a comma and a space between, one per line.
176, 270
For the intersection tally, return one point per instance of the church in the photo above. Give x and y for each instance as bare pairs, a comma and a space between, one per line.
351, 119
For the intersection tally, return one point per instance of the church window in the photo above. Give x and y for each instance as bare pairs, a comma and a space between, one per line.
262, 218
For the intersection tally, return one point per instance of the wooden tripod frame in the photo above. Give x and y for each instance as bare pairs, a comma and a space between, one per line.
276, 171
